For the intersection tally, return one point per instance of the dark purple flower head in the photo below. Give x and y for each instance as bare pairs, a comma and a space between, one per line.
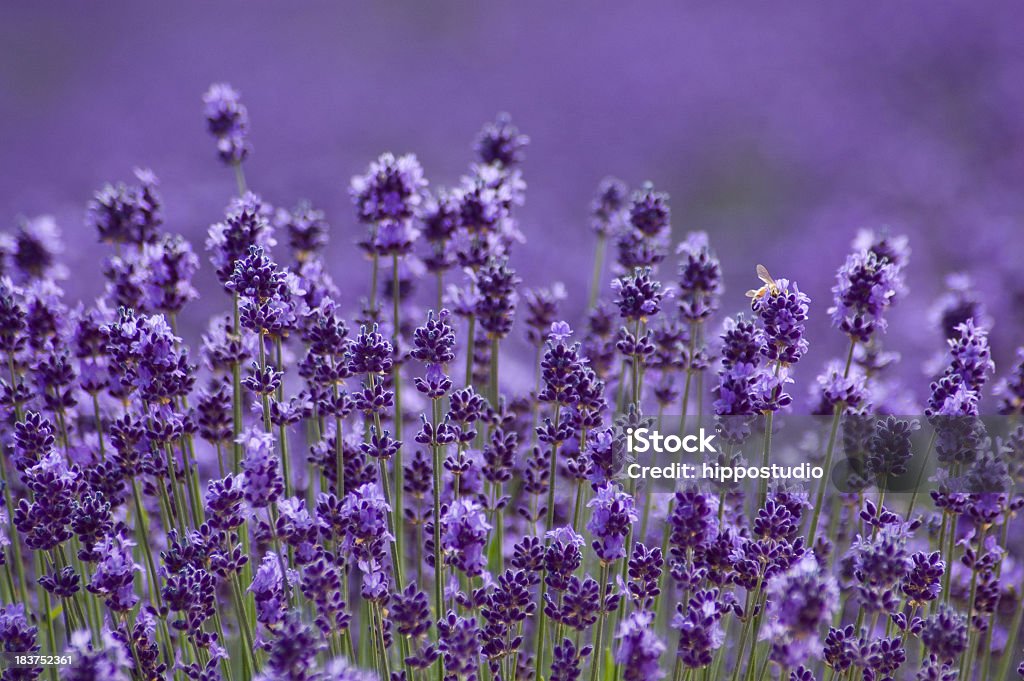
890, 447
882, 559
563, 557
496, 284
227, 119
434, 342
369, 353
608, 209
783, 312
944, 634
256, 277
700, 631
146, 356
613, 512
391, 190
639, 296
127, 214
459, 643
923, 583
306, 229
37, 245
500, 143
693, 521
292, 652
167, 266
649, 212
700, 278
410, 612
262, 482
644, 570
639, 648
245, 225
866, 286
567, 661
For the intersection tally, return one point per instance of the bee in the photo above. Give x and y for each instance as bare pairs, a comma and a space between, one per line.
769, 284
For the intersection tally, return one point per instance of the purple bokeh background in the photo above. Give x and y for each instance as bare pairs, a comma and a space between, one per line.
778, 128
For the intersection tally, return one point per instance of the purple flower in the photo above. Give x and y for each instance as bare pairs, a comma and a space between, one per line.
944, 634
923, 582
268, 592
783, 311
496, 283
262, 481
459, 643
306, 229
109, 661
833, 388
638, 295
700, 279
390, 190
500, 143
801, 599
1011, 389
866, 287
610, 520
608, 209
649, 212
567, 661
639, 648
971, 356
115, 573
245, 225
127, 214
464, 533
700, 629
227, 119
37, 244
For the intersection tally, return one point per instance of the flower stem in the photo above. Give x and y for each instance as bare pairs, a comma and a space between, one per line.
837, 413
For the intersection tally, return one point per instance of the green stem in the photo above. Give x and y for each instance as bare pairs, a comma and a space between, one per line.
595, 280
837, 413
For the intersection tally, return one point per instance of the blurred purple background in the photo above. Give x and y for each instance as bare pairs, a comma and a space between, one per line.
780, 128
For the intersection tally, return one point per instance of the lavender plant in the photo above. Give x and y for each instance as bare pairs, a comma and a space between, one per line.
319, 491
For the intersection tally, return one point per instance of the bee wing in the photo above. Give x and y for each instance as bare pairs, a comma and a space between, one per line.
762, 274
752, 293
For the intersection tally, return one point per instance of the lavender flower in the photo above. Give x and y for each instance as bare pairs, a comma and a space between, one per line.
114, 575
700, 279
500, 143
783, 312
639, 648
610, 520
127, 214
464, 531
262, 482
227, 120
865, 289
608, 209
391, 190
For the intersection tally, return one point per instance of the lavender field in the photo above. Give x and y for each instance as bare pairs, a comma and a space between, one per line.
315, 364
